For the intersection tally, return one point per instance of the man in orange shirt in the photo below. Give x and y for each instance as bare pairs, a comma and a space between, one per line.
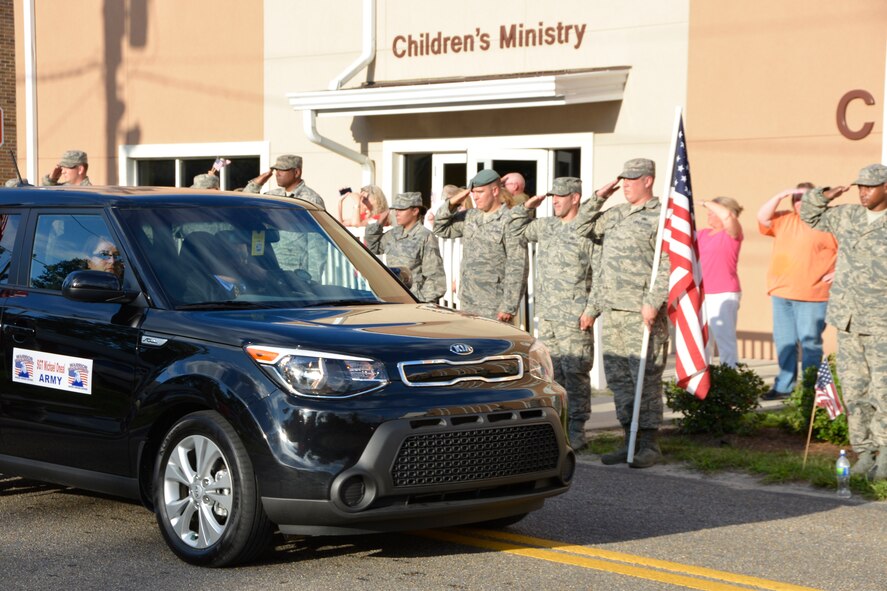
802, 267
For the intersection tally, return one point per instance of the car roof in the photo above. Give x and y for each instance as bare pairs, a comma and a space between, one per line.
122, 197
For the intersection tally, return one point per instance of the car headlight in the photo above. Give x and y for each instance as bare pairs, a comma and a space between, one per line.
540, 361
319, 374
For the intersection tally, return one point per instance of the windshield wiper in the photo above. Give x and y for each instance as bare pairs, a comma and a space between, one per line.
351, 302
224, 305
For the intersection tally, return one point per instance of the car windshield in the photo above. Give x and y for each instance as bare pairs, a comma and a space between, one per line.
242, 257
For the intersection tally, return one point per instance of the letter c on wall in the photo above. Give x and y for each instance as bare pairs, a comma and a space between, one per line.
842, 114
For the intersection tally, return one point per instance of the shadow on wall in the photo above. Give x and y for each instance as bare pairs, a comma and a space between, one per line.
123, 21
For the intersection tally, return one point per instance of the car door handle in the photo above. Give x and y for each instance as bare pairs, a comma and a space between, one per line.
19, 333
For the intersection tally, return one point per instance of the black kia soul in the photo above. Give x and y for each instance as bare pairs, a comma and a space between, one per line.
242, 365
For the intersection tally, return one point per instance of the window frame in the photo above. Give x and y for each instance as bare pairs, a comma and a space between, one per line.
20, 274
17, 246
130, 154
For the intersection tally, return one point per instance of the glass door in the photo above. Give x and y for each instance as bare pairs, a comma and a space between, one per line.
533, 164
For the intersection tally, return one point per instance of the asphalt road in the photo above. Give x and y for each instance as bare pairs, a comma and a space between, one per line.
617, 529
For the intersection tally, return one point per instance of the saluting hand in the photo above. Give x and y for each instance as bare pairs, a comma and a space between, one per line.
263, 178
457, 199
607, 190
835, 192
534, 202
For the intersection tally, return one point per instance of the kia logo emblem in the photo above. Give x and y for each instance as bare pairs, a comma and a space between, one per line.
462, 349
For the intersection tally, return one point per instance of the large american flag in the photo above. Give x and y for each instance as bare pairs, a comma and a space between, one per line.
826, 392
685, 293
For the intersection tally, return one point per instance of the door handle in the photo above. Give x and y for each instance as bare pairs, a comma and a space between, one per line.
17, 333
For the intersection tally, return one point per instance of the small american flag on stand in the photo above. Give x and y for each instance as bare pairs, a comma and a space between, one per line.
826, 392
685, 294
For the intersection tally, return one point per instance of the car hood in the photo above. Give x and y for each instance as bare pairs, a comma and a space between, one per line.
406, 330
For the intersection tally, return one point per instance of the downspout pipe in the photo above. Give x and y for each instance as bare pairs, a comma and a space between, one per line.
309, 123
368, 52
30, 43
367, 55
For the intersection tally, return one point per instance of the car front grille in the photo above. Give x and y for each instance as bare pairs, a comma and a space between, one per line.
454, 457
446, 372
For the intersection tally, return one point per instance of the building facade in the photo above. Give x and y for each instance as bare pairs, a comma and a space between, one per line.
412, 96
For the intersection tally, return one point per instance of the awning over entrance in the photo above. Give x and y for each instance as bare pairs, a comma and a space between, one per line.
540, 89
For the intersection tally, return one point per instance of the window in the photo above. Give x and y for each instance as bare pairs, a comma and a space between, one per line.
8, 230
176, 165
162, 172
242, 256
64, 243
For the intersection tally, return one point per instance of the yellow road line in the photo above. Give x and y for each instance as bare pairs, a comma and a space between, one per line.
604, 560
641, 560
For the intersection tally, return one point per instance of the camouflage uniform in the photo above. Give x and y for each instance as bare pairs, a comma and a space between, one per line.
302, 191
858, 309
620, 288
70, 159
415, 249
307, 251
48, 182
205, 181
563, 279
494, 262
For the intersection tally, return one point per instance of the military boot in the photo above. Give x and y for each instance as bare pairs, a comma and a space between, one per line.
864, 463
648, 452
619, 456
881, 465
578, 440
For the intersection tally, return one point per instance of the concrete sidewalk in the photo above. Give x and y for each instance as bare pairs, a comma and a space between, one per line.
603, 412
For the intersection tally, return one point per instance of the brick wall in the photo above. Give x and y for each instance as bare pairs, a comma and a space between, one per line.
7, 89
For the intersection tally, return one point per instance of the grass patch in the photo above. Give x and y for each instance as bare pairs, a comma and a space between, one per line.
773, 455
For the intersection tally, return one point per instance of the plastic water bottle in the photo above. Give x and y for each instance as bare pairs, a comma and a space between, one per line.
842, 470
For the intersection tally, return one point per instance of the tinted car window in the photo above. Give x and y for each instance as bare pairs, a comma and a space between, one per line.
64, 243
280, 257
8, 230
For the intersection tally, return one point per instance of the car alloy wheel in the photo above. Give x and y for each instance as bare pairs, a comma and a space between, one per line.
197, 491
205, 495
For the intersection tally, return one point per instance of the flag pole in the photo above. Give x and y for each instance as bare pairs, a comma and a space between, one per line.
809, 434
645, 343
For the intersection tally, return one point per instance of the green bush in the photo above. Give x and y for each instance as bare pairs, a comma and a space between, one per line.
796, 417
734, 393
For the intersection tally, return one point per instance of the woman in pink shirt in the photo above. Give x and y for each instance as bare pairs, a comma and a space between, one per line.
719, 246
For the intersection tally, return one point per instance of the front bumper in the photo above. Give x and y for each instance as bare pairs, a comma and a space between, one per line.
439, 471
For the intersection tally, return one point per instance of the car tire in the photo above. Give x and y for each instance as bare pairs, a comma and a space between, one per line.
205, 495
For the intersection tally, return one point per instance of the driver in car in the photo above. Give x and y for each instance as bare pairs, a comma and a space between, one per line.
105, 257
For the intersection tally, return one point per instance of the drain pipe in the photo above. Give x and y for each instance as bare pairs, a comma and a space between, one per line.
368, 53
309, 123
309, 117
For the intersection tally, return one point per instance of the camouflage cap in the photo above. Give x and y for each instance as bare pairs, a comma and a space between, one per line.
565, 185
872, 176
287, 162
638, 167
73, 158
205, 181
483, 178
407, 200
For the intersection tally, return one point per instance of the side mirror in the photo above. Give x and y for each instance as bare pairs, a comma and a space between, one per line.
96, 286
404, 274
